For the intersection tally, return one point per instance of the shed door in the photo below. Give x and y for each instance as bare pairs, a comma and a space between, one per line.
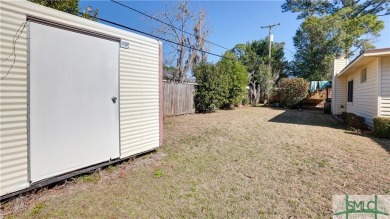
73, 121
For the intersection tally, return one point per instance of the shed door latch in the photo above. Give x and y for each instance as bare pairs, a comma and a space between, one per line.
114, 99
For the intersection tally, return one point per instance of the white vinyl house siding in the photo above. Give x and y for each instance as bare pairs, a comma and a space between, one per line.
365, 101
339, 87
139, 90
385, 86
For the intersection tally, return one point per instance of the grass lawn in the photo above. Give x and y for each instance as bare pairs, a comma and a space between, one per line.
253, 162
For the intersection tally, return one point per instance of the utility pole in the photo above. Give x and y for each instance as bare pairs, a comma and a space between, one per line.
270, 38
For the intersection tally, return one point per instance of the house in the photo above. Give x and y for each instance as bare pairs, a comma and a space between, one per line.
75, 95
362, 87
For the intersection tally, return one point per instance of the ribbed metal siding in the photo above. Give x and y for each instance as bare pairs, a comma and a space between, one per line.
13, 107
139, 97
139, 90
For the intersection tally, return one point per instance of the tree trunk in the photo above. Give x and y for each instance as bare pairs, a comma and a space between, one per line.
255, 93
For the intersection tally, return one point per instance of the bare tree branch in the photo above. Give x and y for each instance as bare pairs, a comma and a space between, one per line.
181, 20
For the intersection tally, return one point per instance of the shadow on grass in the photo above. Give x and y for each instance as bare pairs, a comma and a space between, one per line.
269, 107
317, 118
384, 143
307, 117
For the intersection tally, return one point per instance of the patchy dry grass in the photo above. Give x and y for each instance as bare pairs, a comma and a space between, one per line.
253, 162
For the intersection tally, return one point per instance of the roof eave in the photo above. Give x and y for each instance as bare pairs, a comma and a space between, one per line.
357, 59
370, 53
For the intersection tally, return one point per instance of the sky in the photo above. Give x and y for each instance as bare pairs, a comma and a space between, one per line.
231, 22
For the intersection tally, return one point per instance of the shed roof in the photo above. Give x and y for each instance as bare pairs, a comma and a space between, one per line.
363, 59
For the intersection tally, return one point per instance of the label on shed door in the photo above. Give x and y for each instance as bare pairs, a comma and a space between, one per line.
73, 120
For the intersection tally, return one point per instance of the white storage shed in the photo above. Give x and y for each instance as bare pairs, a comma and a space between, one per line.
75, 94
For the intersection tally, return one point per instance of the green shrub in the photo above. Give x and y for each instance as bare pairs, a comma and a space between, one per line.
211, 90
292, 91
344, 116
245, 100
382, 127
220, 86
237, 79
353, 121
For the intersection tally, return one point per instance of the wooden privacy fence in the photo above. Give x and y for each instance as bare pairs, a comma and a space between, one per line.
178, 98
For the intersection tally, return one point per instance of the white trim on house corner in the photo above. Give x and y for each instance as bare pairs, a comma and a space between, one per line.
379, 105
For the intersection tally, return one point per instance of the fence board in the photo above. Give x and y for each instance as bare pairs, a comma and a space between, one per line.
178, 98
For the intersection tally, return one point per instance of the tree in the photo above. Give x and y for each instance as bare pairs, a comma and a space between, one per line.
254, 56
169, 72
69, 6
314, 52
221, 85
237, 79
354, 31
182, 19
310, 8
331, 29
211, 90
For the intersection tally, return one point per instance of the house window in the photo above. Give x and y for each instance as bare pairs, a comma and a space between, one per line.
363, 76
350, 91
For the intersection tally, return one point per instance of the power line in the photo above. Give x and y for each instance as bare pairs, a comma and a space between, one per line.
165, 23
291, 53
154, 36
289, 50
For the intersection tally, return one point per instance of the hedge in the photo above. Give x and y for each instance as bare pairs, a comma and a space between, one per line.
292, 91
353, 121
220, 86
382, 127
